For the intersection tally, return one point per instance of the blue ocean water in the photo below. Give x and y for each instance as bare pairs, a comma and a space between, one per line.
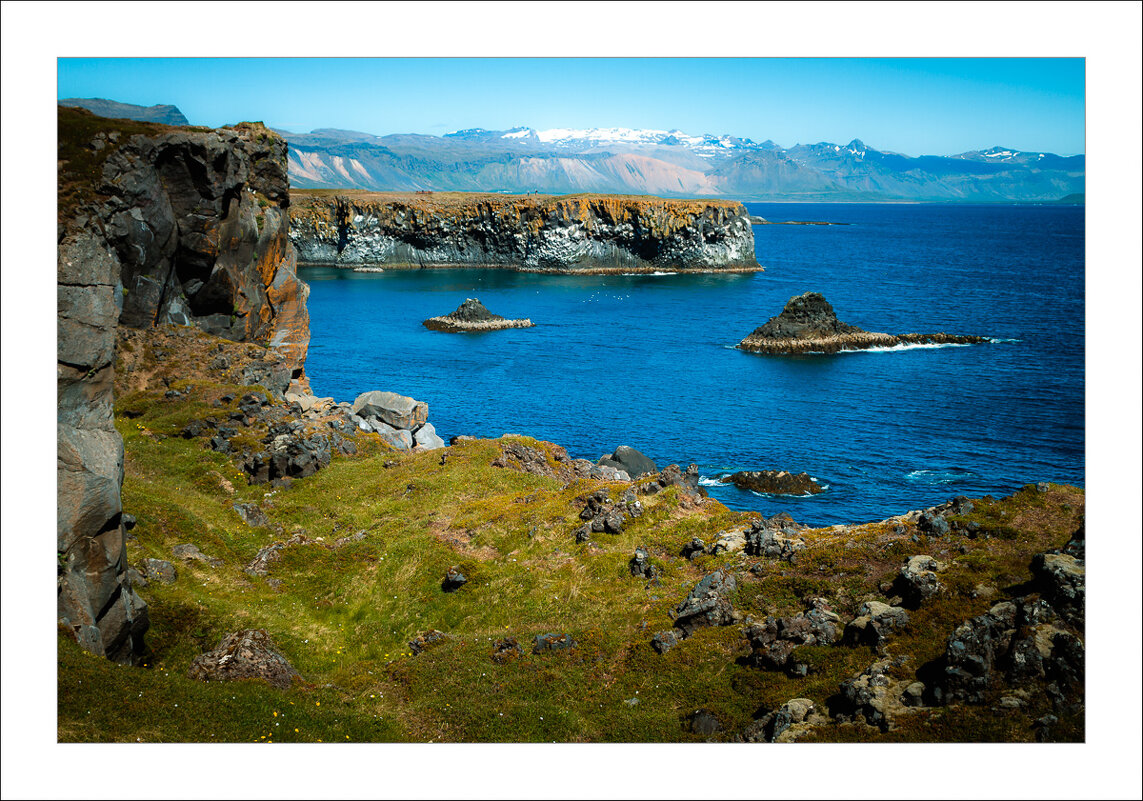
648, 361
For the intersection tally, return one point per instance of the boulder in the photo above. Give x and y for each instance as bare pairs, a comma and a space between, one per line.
640, 565
764, 538
506, 649
772, 725
866, 695
251, 514
630, 461
873, 623
918, 579
664, 641
247, 654
159, 570
453, 579
672, 476
427, 439
704, 722
426, 640
708, 604
191, 553
1061, 579
552, 642
399, 438
772, 642
396, 410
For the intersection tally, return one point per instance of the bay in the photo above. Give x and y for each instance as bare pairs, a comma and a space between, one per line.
648, 361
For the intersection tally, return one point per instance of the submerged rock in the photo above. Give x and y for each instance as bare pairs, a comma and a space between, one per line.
774, 482
808, 324
473, 316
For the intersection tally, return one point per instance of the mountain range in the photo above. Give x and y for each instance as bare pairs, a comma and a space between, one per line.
670, 163
654, 162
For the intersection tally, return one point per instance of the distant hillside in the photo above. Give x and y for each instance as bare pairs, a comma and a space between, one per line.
670, 163
168, 115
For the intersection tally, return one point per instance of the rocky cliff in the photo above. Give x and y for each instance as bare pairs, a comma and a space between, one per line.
156, 225
533, 233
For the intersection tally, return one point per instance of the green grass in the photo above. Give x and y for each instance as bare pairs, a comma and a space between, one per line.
343, 616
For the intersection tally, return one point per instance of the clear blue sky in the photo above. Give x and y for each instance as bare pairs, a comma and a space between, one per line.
911, 106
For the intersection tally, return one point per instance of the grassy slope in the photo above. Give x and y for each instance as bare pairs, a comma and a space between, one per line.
344, 615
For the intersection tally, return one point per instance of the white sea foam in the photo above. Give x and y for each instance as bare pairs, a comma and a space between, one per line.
368, 269
705, 481
905, 346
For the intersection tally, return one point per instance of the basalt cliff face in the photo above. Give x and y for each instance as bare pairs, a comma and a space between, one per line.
156, 225
533, 233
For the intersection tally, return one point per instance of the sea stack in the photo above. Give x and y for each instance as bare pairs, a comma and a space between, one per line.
808, 324
472, 316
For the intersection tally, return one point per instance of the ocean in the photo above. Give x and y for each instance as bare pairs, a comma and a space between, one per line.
649, 360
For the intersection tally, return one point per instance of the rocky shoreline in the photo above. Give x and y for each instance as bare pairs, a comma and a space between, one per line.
808, 324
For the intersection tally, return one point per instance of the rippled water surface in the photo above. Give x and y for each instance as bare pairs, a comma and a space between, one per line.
648, 361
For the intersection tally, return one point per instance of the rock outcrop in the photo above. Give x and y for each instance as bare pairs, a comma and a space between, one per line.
155, 225
248, 654
808, 324
774, 482
473, 316
576, 233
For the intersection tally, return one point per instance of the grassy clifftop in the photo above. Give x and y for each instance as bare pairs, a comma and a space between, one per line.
382, 528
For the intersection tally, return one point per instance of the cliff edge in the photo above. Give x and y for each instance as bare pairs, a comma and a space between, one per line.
531, 233
156, 225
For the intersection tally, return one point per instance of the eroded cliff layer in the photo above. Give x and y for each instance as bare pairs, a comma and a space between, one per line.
156, 225
533, 233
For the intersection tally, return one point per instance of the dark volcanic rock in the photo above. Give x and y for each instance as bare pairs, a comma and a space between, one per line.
1015, 641
472, 316
506, 649
535, 460
1062, 578
774, 482
629, 461
704, 722
873, 623
772, 725
426, 640
708, 604
248, 654
769, 538
918, 579
808, 324
773, 641
552, 642
453, 579
806, 316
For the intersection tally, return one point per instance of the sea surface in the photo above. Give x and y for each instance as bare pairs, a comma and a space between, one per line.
649, 361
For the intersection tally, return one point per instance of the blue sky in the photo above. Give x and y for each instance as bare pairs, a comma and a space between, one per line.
914, 106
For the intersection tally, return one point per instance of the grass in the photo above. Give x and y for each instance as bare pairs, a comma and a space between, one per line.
343, 615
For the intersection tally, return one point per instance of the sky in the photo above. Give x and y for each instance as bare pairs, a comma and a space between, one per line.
915, 106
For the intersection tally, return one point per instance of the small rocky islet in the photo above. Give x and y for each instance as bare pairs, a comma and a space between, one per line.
808, 324
473, 316
774, 482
